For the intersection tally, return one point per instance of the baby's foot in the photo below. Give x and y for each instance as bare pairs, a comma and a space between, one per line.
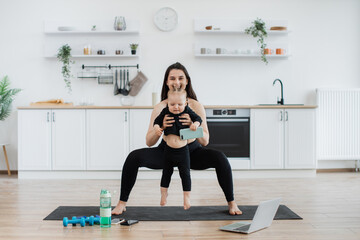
164, 194
119, 209
234, 209
187, 204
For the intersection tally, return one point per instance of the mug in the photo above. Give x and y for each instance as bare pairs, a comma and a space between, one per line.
268, 51
280, 51
119, 52
220, 50
205, 50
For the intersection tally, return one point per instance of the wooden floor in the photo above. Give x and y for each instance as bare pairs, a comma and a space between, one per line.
329, 204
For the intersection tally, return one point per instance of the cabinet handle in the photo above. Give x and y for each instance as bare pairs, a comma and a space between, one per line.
47, 116
53, 117
286, 116
281, 116
125, 116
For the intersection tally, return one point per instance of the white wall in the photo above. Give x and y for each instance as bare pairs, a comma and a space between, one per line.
324, 42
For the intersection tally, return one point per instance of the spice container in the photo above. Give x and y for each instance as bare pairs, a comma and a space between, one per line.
87, 49
101, 52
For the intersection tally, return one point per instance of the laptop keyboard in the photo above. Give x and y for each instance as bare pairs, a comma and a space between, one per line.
243, 228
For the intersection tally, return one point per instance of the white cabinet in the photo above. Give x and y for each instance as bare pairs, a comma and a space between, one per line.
68, 139
107, 138
300, 132
283, 138
139, 125
51, 139
34, 140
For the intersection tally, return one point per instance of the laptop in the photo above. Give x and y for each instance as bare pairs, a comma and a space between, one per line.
264, 215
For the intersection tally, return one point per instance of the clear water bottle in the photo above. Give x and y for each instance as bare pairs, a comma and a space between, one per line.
105, 208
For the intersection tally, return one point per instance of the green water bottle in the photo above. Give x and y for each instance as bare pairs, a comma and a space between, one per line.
105, 208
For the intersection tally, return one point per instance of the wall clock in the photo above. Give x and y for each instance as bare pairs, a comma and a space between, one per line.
166, 19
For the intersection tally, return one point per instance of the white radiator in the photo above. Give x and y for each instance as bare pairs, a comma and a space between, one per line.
338, 124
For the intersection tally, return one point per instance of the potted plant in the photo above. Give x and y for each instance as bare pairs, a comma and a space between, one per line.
133, 47
64, 55
258, 30
6, 97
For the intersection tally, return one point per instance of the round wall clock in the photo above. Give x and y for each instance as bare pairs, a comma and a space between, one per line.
166, 19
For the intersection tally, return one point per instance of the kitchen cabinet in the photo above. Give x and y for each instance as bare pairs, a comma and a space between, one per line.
107, 138
139, 125
283, 138
52, 140
34, 140
229, 36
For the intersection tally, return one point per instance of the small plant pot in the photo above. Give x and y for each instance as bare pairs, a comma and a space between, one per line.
133, 52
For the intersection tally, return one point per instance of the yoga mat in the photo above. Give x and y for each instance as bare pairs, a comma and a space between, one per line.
195, 213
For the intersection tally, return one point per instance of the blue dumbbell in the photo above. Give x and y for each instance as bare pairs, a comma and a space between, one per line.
74, 221
91, 220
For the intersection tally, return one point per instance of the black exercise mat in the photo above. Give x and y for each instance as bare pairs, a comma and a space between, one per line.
195, 213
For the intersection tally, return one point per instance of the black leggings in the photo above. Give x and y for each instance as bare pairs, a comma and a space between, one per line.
179, 157
200, 158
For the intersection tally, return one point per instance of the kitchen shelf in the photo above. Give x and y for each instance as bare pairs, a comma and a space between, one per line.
99, 56
240, 55
229, 35
270, 32
78, 35
94, 32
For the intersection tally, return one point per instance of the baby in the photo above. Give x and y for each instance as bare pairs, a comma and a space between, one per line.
176, 152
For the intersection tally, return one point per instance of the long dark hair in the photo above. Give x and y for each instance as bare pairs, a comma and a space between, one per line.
189, 90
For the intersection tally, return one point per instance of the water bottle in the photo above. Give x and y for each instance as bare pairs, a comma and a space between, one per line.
105, 209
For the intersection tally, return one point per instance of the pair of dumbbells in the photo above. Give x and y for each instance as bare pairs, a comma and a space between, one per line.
83, 220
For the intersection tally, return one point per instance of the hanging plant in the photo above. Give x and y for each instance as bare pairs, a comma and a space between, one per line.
64, 55
258, 30
6, 97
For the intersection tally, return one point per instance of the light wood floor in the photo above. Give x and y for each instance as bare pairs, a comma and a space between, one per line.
329, 204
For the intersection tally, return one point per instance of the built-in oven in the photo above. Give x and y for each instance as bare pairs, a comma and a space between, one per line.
230, 132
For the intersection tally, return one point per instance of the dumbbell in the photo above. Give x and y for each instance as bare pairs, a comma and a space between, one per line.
74, 221
91, 220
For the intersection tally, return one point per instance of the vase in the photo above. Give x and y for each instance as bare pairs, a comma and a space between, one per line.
119, 24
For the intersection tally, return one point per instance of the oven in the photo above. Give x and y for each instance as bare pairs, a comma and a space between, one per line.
230, 132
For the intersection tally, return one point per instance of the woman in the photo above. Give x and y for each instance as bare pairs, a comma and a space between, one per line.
200, 158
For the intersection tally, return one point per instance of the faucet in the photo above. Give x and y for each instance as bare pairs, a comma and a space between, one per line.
281, 102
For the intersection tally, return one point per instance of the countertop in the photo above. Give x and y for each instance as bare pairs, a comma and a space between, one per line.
151, 107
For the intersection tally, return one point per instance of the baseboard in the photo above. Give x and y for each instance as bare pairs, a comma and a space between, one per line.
13, 172
156, 174
335, 170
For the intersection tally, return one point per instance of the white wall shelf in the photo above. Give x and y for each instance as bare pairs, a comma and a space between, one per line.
240, 55
94, 32
269, 32
99, 56
230, 36
79, 35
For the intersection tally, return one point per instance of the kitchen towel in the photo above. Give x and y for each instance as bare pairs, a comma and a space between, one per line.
137, 83
170, 213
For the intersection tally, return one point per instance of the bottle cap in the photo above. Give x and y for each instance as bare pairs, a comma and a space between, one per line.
105, 193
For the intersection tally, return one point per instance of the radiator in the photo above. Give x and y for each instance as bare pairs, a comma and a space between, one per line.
338, 124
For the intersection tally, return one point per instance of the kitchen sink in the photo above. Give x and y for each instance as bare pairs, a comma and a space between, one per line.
270, 104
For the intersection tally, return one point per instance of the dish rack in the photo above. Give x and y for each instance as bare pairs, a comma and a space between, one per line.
103, 74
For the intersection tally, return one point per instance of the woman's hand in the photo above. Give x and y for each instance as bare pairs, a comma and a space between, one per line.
158, 130
168, 121
185, 119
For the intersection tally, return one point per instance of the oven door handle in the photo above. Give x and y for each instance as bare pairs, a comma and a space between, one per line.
227, 120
